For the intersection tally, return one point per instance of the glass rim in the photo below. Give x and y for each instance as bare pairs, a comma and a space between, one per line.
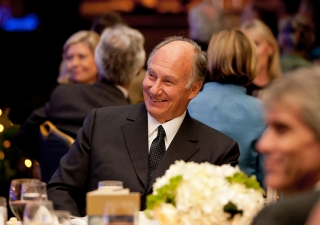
24, 180
116, 182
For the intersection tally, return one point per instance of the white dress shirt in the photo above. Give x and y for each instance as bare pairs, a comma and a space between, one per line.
171, 128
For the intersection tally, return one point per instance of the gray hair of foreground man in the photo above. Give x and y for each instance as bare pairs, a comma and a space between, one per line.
299, 88
199, 67
120, 54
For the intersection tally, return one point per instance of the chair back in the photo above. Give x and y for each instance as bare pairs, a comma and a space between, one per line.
53, 145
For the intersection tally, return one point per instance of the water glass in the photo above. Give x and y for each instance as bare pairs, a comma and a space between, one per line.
38, 213
16, 204
125, 213
112, 185
62, 217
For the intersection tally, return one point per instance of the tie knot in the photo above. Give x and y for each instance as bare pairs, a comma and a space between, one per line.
161, 132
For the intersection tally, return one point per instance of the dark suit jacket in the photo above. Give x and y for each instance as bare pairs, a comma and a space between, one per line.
289, 211
69, 104
113, 145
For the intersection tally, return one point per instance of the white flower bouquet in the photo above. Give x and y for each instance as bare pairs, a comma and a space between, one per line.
204, 194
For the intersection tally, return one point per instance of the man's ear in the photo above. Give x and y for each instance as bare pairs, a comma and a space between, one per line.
195, 88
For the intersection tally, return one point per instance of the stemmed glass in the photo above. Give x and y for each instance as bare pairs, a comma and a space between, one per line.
16, 204
34, 191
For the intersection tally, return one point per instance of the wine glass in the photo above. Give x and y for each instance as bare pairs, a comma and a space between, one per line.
43, 190
16, 204
34, 191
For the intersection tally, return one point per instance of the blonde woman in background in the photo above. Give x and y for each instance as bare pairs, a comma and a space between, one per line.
268, 54
223, 103
78, 65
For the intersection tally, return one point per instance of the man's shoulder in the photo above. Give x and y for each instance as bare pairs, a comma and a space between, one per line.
124, 110
67, 88
290, 210
207, 131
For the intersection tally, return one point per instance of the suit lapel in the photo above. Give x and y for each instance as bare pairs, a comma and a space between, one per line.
136, 139
183, 146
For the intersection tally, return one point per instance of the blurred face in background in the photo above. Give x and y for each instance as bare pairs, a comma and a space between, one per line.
292, 153
264, 49
80, 63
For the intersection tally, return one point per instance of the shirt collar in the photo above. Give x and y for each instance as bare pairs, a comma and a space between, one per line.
123, 90
317, 186
171, 127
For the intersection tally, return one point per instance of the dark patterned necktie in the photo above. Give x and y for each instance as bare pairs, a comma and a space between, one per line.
157, 151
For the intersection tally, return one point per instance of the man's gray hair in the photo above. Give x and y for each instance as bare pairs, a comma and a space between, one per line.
199, 67
120, 54
301, 88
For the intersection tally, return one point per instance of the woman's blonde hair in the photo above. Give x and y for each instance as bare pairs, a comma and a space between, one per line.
87, 36
232, 58
274, 69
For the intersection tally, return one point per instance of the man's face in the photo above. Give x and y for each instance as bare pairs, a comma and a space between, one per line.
292, 154
164, 86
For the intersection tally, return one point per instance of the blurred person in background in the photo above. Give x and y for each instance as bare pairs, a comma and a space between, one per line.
268, 54
223, 103
205, 19
291, 146
119, 57
254, 10
78, 65
109, 19
105, 20
274, 13
295, 39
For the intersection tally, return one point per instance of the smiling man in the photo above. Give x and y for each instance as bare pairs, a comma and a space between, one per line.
291, 146
116, 143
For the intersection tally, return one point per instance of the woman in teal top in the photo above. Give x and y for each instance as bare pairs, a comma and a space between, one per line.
223, 103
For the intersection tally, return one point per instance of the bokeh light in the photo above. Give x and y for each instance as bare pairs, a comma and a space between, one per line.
6, 144
28, 163
1, 155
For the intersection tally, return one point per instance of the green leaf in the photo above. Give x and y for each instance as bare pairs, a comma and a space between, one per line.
165, 194
232, 209
249, 182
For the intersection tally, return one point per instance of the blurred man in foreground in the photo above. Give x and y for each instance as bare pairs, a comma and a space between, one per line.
291, 146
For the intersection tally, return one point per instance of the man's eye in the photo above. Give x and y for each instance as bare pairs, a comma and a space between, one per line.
69, 57
281, 129
151, 76
82, 56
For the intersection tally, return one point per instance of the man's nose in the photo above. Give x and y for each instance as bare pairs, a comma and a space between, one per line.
265, 143
156, 87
